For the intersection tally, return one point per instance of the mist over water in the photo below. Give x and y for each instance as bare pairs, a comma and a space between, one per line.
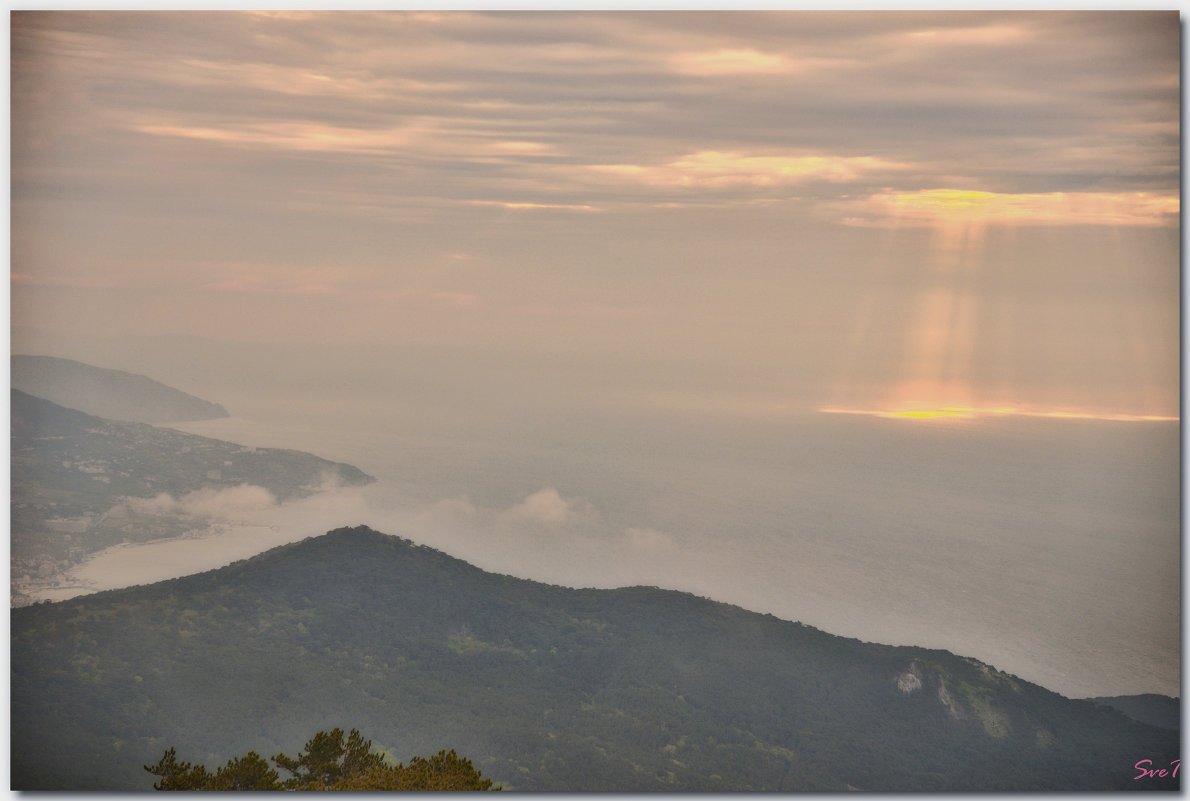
1047, 548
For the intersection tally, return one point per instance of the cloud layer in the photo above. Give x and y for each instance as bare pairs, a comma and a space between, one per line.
541, 109
673, 185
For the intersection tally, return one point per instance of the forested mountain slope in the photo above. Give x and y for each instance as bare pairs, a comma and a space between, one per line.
545, 688
113, 394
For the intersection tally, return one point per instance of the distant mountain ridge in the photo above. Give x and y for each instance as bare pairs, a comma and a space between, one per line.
1155, 710
543, 687
111, 394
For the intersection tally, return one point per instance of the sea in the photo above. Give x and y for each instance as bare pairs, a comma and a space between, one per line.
1047, 548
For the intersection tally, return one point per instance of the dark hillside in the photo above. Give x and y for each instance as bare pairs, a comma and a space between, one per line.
545, 688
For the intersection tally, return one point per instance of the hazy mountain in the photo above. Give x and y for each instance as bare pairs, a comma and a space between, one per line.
113, 394
543, 687
1156, 710
76, 481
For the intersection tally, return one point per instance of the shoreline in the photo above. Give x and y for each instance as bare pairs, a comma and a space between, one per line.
75, 581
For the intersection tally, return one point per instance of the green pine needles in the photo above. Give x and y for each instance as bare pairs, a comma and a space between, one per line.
330, 762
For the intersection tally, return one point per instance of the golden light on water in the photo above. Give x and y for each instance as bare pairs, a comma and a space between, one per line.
944, 413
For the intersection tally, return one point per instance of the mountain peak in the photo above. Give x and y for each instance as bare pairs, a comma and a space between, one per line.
547, 688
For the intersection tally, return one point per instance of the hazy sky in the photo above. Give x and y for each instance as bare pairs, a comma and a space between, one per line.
863, 211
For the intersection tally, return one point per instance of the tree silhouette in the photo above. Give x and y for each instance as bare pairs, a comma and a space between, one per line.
328, 759
329, 762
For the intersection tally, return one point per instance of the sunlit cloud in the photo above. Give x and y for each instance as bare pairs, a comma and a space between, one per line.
521, 147
711, 168
527, 206
739, 61
297, 16
971, 36
948, 206
292, 136
329, 81
463, 140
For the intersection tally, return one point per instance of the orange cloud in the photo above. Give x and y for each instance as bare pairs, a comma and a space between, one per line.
981, 35
521, 147
423, 137
956, 206
292, 136
289, 80
521, 206
713, 168
741, 61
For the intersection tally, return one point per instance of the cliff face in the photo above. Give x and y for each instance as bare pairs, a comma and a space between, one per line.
112, 394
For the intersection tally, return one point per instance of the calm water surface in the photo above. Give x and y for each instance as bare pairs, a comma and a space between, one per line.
1047, 548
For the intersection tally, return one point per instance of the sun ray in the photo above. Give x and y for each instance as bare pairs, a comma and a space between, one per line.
968, 351
877, 339
943, 334
1146, 378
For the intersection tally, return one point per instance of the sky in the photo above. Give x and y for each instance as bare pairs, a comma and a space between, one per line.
918, 214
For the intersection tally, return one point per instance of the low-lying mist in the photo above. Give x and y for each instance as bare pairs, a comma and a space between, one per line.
1048, 548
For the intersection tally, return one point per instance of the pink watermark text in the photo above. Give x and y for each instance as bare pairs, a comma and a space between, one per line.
1147, 771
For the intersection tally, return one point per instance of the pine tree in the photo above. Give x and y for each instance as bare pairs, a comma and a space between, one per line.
177, 775
249, 772
329, 762
327, 759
